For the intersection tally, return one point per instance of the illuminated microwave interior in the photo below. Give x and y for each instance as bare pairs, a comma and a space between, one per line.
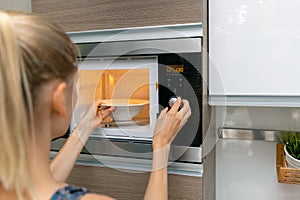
129, 85
129, 81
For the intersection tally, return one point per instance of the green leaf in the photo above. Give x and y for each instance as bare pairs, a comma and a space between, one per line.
291, 140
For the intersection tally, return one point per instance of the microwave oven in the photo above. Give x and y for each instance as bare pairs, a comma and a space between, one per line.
140, 77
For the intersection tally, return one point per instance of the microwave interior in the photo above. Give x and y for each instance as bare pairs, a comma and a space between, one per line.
130, 85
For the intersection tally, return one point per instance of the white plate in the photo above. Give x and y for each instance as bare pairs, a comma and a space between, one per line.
124, 102
125, 109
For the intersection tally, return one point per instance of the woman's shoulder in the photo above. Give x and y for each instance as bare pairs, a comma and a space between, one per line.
70, 192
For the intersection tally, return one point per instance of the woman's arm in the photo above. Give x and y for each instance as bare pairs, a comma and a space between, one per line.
158, 182
168, 125
64, 161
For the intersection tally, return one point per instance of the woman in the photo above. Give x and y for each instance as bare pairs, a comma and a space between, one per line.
37, 74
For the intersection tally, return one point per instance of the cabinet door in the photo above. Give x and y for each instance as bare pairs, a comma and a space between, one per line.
80, 15
254, 55
124, 185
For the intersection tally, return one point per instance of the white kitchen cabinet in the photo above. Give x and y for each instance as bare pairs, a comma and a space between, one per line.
254, 52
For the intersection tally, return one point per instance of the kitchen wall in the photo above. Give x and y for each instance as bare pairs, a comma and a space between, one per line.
24, 5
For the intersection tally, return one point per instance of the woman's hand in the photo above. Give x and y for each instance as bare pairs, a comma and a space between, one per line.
167, 126
96, 114
169, 123
76, 141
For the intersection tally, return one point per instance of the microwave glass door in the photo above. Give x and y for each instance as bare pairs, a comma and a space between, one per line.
128, 83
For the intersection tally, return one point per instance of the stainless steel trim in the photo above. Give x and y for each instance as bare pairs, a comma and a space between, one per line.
138, 33
146, 47
247, 100
250, 134
142, 165
133, 149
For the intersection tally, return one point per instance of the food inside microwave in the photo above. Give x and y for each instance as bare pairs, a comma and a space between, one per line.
121, 87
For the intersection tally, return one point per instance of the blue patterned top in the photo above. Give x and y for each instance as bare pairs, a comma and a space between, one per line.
69, 193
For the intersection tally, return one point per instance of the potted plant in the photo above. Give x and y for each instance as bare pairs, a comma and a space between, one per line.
291, 141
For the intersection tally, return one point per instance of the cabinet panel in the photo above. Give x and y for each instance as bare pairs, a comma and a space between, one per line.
254, 52
132, 184
80, 15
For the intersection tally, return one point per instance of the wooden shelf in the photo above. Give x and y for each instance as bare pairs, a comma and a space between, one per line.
285, 174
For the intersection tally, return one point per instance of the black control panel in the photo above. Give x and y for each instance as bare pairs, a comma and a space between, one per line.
180, 75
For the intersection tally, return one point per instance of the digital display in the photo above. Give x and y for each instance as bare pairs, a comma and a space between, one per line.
175, 69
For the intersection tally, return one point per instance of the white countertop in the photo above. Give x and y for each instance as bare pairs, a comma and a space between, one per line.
246, 170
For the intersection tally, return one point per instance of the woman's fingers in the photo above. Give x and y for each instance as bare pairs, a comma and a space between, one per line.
176, 106
185, 111
106, 111
160, 121
100, 113
170, 122
163, 113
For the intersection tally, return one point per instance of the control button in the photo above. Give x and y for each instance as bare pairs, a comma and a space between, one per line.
180, 85
172, 100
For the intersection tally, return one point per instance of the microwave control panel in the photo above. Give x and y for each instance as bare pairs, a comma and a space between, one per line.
180, 75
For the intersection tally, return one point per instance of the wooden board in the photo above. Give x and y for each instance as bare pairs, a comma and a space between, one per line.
80, 15
131, 184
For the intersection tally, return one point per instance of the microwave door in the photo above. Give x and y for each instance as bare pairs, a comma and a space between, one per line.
129, 84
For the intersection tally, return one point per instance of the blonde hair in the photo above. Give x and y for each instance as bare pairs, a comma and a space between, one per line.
33, 51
